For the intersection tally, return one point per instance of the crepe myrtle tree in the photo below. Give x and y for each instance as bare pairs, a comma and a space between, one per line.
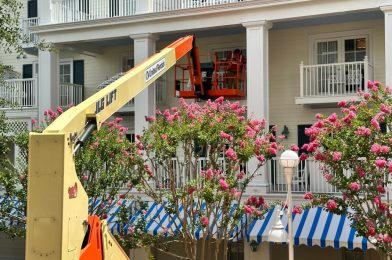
355, 155
194, 167
106, 166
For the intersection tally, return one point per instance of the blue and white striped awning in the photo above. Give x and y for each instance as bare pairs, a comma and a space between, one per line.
158, 221
313, 227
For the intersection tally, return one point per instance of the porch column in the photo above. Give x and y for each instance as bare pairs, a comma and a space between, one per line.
257, 90
262, 251
144, 6
144, 47
388, 43
44, 11
48, 81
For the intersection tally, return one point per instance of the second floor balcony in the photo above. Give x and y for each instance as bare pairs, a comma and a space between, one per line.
68, 11
325, 84
23, 93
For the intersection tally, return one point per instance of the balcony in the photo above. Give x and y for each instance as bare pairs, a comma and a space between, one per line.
327, 84
70, 94
307, 177
31, 39
68, 11
19, 93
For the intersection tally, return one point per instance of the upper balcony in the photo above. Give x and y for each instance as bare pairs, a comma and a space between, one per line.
23, 94
31, 39
326, 84
68, 11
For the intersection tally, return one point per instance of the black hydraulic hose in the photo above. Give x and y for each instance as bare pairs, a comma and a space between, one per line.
88, 130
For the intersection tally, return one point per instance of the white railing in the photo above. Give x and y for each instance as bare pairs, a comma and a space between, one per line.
67, 11
70, 94
335, 79
307, 177
19, 93
26, 25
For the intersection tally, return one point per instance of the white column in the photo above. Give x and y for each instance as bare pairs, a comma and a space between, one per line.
388, 44
144, 47
144, 6
257, 90
44, 11
262, 251
48, 81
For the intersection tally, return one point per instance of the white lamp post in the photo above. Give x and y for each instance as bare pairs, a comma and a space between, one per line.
277, 233
289, 160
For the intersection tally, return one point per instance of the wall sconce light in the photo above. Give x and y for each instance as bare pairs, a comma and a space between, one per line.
253, 245
285, 131
24, 56
18, 57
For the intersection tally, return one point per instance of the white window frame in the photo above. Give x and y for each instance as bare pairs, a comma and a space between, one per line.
70, 62
340, 36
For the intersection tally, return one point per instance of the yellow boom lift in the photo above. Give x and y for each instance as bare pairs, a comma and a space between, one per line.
58, 225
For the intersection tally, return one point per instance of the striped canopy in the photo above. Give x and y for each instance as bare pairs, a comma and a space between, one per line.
313, 227
158, 221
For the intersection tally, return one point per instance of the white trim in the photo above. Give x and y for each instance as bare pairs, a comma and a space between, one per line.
70, 62
341, 35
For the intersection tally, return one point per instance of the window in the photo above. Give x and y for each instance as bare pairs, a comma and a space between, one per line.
65, 72
344, 48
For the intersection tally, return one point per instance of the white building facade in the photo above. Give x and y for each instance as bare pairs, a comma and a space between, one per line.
303, 56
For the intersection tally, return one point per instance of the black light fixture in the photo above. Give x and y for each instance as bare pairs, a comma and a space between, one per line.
285, 131
253, 245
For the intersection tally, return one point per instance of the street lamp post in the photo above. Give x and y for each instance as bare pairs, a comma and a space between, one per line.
289, 160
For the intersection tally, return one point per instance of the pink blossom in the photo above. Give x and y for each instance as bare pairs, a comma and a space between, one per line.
303, 156
331, 205
223, 184
385, 108
33, 121
354, 186
272, 151
308, 196
297, 209
234, 105
376, 148
366, 95
248, 209
59, 110
118, 120
319, 116
381, 188
360, 171
85, 177
336, 156
380, 163
261, 158
294, 148
390, 167
375, 124
328, 177
373, 85
164, 136
204, 221
282, 137
131, 230
241, 175
363, 131
231, 154
332, 118
191, 190
228, 137
219, 100
342, 103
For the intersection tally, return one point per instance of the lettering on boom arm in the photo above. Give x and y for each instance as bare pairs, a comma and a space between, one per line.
105, 101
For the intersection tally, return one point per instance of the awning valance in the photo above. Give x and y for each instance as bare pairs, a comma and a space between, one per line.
313, 227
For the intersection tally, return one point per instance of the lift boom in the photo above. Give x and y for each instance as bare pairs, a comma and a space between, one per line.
57, 205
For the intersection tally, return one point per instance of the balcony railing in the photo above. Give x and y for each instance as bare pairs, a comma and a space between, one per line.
66, 11
26, 25
70, 94
19, 93
307, 177
335, 79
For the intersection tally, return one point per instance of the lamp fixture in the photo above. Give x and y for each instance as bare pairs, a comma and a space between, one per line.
253, 245
277, 233
285, 131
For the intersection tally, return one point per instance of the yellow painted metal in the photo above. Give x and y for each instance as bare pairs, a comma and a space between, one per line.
111, 249
57, 204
